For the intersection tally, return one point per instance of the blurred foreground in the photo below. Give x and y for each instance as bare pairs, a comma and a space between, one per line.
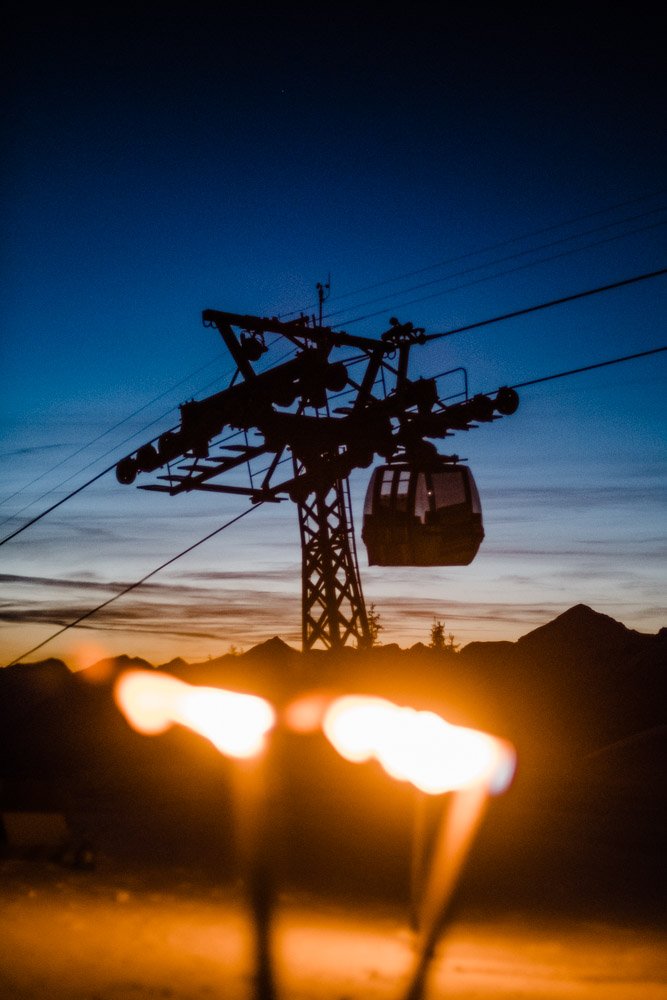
121, 934
563, 895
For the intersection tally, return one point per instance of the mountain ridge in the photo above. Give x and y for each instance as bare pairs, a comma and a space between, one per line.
571, 626
570, 685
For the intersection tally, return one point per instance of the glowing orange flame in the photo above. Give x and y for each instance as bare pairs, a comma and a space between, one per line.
236, 724
415, 746
419, 747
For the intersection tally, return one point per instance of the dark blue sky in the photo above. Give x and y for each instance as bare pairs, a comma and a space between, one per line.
159, 165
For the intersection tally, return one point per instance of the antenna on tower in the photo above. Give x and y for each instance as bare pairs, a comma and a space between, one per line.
323, 293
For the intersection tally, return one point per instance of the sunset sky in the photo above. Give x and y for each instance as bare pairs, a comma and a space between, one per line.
441, 169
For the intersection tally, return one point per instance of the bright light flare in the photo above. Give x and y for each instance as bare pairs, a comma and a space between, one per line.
417, 746
236, 724
305, 713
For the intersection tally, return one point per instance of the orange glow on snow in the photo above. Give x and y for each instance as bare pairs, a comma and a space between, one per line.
236, 724
417, 746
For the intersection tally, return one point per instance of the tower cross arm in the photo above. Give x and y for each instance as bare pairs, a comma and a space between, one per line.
295, 330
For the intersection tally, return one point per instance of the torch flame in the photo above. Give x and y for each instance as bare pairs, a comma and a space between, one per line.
415, 746
236, 724
419, 747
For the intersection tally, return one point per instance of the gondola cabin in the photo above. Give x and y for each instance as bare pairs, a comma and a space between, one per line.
422, 517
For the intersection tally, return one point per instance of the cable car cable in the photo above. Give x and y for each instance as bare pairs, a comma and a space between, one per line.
498, 274
548, 378
547, 305
104, 433
588, 368
238, 517
485, 249
108, 431
89, 482
93, 461
58, 503
79, 489
137, 583
104, 454
514, 256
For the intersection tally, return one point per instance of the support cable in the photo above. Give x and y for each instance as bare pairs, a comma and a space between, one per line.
114, 427
109, 451
489, 277
58, 503
137, 583
588, 368
481, 250
547, 305
84, 486
549, 378
516, 256
69, 478
518, 385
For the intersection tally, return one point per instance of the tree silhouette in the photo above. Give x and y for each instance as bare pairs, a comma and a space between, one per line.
437, 635
441, 641
374, 625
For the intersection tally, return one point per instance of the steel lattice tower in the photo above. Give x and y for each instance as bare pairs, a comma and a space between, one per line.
286, 411
333, 608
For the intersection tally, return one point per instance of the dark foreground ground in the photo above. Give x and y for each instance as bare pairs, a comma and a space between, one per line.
132, 934
561, 901
564, 894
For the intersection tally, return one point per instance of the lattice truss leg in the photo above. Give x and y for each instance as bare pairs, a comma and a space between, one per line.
333, 603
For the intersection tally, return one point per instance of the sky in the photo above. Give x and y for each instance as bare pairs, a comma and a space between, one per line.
441, 168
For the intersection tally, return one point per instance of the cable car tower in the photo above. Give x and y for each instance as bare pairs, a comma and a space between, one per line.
422, 507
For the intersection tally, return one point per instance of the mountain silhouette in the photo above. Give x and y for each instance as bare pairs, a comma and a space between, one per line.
581, 697
562, 691
582, 631
583, 672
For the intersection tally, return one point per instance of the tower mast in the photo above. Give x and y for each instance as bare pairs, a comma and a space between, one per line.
285, 411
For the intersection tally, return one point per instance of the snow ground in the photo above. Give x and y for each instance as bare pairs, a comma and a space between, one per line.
141, 934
